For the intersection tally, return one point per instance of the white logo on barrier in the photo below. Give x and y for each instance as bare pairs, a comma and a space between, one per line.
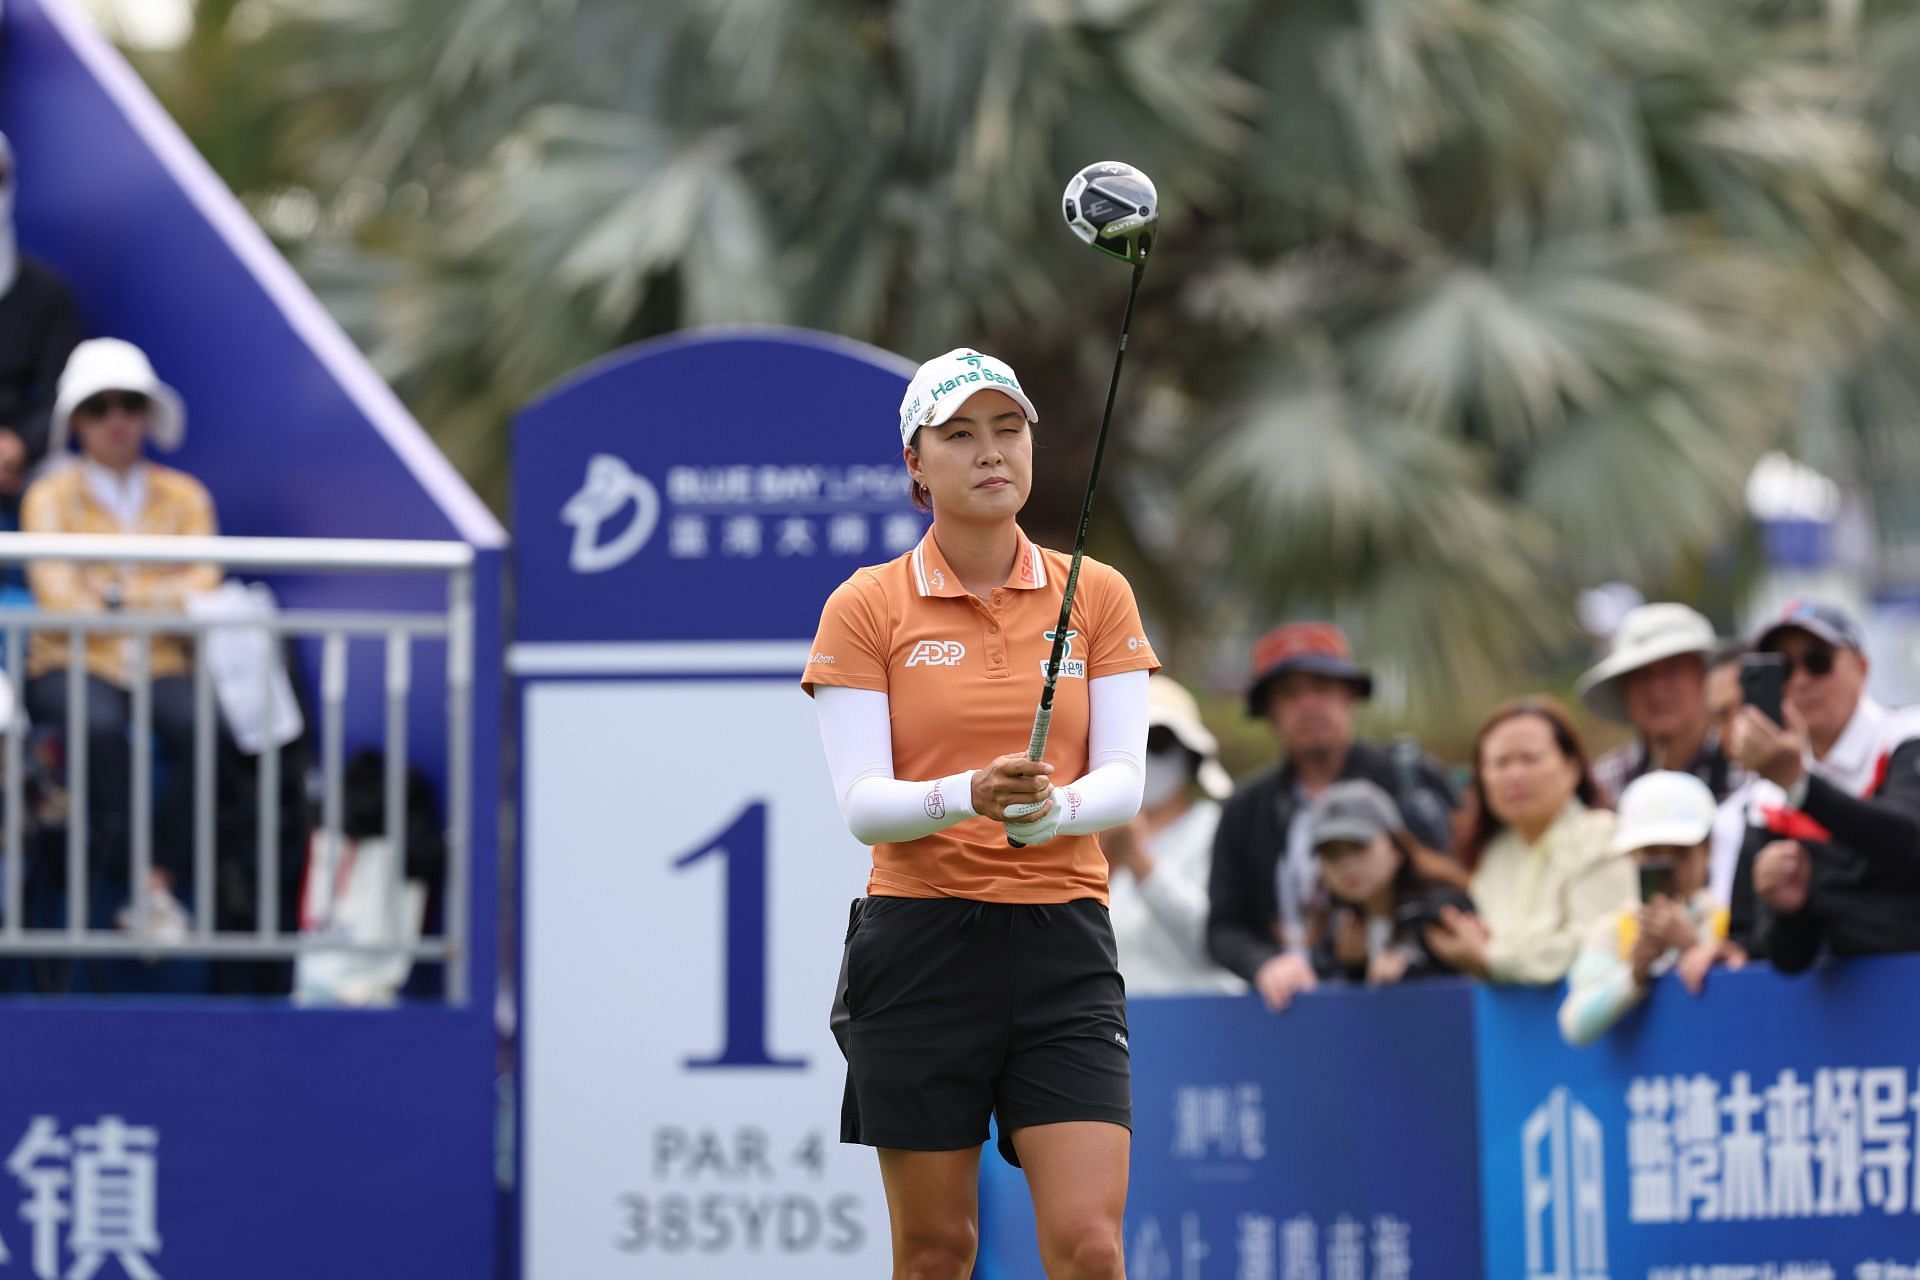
937, 653
611, 487
104, 1182
1563, 1173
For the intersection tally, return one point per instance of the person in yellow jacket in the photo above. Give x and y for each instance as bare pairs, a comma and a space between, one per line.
112, 407
1666, 825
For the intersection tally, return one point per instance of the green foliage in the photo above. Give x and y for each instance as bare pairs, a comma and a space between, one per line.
1461, 305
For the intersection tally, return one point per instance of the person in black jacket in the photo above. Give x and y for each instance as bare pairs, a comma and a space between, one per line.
38, 331
1370, 925
1832, 855
1264, 877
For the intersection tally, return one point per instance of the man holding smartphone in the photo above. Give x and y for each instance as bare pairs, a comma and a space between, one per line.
1832, 856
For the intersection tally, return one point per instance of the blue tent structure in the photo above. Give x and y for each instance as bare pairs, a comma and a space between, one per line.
295, 435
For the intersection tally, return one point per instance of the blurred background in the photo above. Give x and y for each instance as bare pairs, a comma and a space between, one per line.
1464, 309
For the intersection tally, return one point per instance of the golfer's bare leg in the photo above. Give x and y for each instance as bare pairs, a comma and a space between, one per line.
933, 1203
1078, 1175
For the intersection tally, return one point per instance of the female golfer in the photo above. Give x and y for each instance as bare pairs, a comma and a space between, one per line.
981, 978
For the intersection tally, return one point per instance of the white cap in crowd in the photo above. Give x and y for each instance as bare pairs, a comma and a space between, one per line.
1664, 808
944, 383
1171, 707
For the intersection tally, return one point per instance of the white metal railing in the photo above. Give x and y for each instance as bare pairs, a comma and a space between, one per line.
454, 627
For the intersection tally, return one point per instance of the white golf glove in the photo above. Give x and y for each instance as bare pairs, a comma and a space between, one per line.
1037, 830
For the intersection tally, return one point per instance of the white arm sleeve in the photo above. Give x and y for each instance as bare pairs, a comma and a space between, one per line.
1110, 792
856, 727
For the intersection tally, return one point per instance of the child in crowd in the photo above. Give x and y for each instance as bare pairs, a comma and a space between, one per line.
1368, 926
1666, 825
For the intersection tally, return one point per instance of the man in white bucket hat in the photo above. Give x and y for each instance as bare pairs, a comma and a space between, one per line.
1655, 679
111, 405
1159, 862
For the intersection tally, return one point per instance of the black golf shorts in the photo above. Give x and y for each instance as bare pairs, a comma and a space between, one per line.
950, 1011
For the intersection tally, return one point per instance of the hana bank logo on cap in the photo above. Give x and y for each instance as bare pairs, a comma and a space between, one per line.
943, 384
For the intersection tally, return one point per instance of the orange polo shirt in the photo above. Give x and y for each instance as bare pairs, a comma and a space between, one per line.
962, 677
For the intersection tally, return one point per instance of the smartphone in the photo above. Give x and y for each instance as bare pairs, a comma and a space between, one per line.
1656, 878
1416, 917
1763, 678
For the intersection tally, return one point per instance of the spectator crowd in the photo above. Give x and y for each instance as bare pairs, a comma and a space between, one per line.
1766, 808
1721, 833
82, 427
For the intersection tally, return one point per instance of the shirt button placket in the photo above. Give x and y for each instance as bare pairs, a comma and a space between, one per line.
996, 640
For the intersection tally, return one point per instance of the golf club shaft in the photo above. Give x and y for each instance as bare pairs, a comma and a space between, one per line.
1043, 718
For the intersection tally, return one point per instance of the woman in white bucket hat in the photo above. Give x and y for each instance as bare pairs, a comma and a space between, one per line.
1157, 890
111, 406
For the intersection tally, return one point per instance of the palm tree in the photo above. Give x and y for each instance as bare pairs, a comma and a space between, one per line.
1461, 304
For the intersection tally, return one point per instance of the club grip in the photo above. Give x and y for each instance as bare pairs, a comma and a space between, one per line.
1037, 744
1036, 749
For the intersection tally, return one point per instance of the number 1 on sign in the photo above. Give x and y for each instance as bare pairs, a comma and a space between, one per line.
743, 848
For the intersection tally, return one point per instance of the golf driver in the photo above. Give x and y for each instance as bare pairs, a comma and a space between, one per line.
1114, 208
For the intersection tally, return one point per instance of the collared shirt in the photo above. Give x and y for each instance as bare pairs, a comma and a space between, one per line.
1854, 764
1539, 900
65, 501
121, 496
1620, 766
963, 677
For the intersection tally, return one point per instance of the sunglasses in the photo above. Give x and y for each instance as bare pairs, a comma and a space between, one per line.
1817, 661
97, 407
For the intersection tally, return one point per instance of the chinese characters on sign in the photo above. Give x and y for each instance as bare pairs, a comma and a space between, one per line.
1840, 1145
102, 1184
788, 512
1214, 1122
1226, 1124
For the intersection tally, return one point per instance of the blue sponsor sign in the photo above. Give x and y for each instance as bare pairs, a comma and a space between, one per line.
238, 1142
683, 511
711, 486
1762, 1132
1336, 1139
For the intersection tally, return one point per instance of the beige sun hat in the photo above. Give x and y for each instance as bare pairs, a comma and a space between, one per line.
1171, 707
1647, 635
112, 364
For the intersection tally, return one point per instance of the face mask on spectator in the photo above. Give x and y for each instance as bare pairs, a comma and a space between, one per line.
1169, 773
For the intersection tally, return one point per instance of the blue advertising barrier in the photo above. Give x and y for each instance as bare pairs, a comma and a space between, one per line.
1763, 1131
1336, 1139
243, 1141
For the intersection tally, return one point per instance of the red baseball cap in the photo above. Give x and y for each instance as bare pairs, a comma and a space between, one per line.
1319, 648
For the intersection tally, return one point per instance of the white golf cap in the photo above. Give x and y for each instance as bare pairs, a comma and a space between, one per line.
1171, 707
944, 383
1647, 635
111, 364
1664, 808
